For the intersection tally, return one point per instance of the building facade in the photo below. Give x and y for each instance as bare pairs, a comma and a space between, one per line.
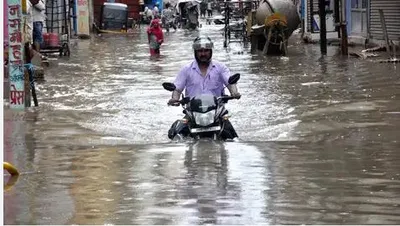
362, 16
364, 19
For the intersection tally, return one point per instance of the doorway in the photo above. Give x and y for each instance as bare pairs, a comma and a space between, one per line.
359, 21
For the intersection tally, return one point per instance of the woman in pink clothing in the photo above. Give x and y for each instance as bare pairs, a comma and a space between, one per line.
155, 36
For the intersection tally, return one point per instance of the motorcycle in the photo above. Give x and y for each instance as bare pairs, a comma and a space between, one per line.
205, 116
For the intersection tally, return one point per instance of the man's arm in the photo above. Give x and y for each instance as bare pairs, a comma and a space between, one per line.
234, 90
226, 73
180, 83
175, 95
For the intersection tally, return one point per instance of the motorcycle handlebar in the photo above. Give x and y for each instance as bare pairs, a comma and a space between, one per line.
176, 104
226, 98
223, 98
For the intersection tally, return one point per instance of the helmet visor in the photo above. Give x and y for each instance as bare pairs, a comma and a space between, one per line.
203, 44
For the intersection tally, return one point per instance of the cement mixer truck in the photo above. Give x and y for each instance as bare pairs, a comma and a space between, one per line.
271, 25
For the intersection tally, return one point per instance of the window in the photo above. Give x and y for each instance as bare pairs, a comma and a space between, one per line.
358, 4
359, 17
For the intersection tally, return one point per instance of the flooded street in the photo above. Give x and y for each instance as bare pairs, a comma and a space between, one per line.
319, 140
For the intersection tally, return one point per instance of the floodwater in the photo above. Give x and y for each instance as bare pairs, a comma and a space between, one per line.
319, 140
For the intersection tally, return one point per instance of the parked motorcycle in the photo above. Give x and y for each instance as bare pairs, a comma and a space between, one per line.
205, 116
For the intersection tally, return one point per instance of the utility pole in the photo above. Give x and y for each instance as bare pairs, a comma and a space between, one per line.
343, 29
337, 16
322, 26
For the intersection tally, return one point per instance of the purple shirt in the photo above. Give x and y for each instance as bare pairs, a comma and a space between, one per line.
191, 80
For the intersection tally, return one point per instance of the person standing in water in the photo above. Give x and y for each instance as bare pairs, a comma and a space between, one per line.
209, 8
156, 11
203, 8
167, 17
155, 37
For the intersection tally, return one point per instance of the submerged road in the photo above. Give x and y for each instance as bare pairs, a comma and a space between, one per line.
319, 140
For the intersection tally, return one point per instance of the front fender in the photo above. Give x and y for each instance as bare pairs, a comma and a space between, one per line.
178, 127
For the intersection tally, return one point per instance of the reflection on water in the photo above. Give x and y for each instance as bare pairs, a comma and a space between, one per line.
206, 182
319, 141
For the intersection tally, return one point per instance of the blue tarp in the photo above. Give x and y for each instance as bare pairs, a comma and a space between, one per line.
153, 3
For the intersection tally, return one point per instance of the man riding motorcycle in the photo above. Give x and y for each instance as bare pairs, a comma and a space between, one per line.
204, 76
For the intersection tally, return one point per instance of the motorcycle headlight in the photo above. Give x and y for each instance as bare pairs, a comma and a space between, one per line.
204, 119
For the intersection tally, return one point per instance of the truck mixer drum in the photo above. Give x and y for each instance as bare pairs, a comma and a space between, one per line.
276, 19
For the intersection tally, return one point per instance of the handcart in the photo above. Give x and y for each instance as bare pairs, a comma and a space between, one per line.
58, 26
235, 13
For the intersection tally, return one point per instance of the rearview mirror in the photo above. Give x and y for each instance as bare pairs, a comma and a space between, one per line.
169, 86
234, 78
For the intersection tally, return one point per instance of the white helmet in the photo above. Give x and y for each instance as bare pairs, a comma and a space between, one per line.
202, 43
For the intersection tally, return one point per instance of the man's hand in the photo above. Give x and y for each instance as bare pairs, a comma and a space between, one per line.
236, 95
173, 102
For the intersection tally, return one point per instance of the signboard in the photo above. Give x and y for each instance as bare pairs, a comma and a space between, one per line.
15, 56
82, 13
5, 19
330, 22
